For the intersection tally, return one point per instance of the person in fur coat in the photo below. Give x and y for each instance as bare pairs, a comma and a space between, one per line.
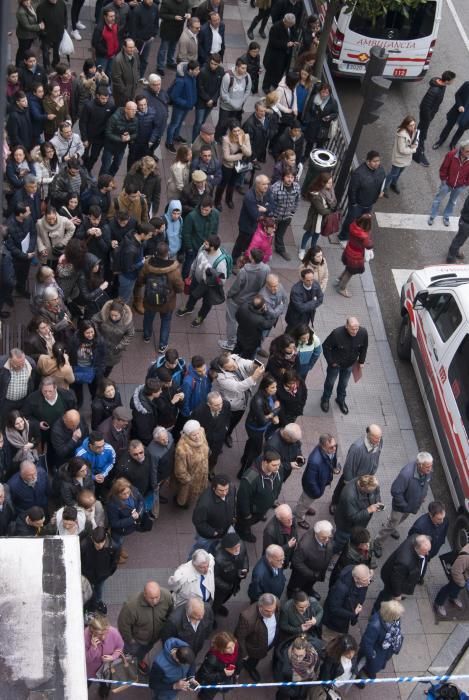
191, 464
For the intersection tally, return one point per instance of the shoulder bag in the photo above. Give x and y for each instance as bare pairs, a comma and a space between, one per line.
331, 223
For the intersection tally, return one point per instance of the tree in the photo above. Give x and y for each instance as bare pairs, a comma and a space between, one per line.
367, 8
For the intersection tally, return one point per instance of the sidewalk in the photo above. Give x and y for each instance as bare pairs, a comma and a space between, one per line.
377, 398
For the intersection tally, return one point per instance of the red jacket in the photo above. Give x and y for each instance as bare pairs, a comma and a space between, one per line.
455, 171
354, 253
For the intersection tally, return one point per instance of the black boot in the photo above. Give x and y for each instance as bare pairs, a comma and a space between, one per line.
229, 197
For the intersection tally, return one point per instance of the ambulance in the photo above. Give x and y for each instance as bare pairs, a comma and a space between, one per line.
434, 336
409, 39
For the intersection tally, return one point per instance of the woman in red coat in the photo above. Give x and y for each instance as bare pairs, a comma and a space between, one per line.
353, 256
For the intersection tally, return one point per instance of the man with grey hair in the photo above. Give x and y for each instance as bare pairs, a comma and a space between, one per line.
16, 380
404, 569
311, 559
276, 299
29, 487
409, 490
318, 474
454, 176
257, 632
278, 52
287, 442
192, 623
345, 600
194, 577
282, 530
215, 417
161, 450
267, 575
158, 100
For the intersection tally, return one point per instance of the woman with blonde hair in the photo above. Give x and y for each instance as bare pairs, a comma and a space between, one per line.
221, 665
405, 145
145, 174
236, 146
179, 173
382, 638
103, 644
124, 511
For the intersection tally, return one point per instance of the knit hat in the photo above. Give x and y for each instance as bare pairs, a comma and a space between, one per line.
199, 176
207, 128
230, 540
190, 427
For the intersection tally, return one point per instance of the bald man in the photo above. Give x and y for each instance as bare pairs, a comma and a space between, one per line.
282, 530
267, 575
362, 458
192, 623
345, 601
343, 348
141, 620
121, 131
67, 435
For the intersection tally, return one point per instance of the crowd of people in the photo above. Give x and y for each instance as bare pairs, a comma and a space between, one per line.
88, 259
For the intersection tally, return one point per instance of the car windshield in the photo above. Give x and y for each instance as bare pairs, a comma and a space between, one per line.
395, 25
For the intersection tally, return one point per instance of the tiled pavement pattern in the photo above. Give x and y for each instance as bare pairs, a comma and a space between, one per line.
377, 398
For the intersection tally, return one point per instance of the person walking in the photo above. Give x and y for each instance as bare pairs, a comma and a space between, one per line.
454, 252
257, 631
456, 115
345, 600
435, 524
409, 490
365, 188
278, 52
354, 255
454, 176
234, 90
184, 99
317, 475
429, 106
405, 145
305, 297
343, 348
459, 575
286, 197
404, 569
382, 638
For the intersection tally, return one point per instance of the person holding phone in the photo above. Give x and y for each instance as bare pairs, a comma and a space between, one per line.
222, 664
287, 442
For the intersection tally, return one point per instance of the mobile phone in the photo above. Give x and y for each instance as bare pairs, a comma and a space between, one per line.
100, 68
381, 506
300, 460
258, 363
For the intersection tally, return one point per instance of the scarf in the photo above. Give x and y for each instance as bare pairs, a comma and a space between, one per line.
329, 196
18, 440
226, 658
303, 670
393, 639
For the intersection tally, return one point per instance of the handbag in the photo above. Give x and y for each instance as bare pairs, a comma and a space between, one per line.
331, 223
84, 375
145, 522
243, 166
122, 669
66, 47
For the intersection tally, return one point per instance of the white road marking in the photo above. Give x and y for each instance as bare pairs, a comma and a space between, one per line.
414, 222
400, 277
458, 23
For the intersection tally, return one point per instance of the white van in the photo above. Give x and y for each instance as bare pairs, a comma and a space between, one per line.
409, 39
434, 335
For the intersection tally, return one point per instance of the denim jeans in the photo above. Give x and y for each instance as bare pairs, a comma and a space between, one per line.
166, 54
106, 64
111, 161
451, 590
304, 369
189, 257
393, 176
332, 373
126, 287
444, 190
200, 117
165, 325
144, 54
306, 237
177, 118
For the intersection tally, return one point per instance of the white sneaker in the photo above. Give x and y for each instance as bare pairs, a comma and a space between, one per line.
441, 610
456, 602
301, 253
80, 25
76, 35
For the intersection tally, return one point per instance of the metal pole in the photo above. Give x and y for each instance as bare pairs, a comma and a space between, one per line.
4, 12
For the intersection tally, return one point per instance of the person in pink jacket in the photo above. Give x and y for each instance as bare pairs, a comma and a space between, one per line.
102, 643
263, 237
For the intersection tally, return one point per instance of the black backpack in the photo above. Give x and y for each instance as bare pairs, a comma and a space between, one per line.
156, 290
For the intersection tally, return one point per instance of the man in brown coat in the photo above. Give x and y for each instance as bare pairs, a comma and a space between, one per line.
161, 280
125, 73
257, 632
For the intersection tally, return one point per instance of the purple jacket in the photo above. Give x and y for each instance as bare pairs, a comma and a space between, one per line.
113, 642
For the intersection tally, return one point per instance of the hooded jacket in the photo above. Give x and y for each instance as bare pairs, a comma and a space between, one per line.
258, 491
184, 90
236, 387
263, 241
354, 254
249, 281
173, 228
50, 236
166, 671
195, 390
144, 416
157, 267
116, 336
234, 91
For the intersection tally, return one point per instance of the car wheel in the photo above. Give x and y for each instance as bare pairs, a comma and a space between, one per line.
461, 533
404, 340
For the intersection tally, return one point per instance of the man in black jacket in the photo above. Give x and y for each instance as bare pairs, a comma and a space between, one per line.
30, 72
53, 13
435, 524
261, 129
454, 252
214, 416
456, 115
311, 559
287, 442
158, 101
359, 499
66, 436
98, 561
282, 530
253, 319
143, 27
259, 488
208, 91
93, 121
136, 465
403, 570
344, 347
19, 127
345, 601
214, 513
366, 186
192, 623
305, 297
429, 106
231, 567
121, 131
20, 226
278, 51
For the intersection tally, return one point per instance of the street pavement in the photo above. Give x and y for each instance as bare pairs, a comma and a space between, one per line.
376, 398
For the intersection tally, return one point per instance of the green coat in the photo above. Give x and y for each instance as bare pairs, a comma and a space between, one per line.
197, 228
27, 24
142, 623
